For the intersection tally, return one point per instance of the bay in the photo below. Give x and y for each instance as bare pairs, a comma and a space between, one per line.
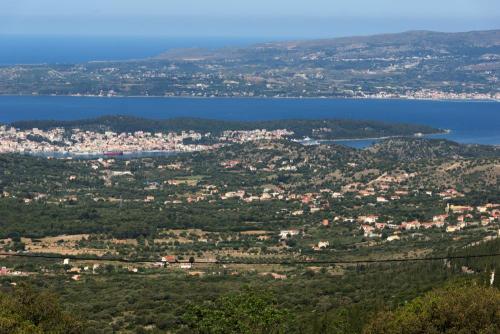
470, 122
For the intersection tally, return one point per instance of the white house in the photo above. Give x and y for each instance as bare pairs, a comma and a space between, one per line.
323, 244
285, 234
393, 238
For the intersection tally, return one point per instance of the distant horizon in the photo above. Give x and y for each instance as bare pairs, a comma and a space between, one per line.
246, 36
66, 48
235, 38
229, 18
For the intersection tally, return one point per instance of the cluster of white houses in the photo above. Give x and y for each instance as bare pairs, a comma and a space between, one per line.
77, 141
456, 218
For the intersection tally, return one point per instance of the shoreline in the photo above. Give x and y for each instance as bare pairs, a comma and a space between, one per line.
467, 100
128, 154
381, 138
420, 135
424, 135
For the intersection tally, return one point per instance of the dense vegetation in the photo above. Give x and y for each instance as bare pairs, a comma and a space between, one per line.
94, 211
395, 299
28, 311
97, 202
245, 312
454, 309
416, 149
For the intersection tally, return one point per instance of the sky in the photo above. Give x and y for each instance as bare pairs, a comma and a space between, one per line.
244, 18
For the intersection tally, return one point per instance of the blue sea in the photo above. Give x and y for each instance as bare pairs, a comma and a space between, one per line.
469, 122
24, 49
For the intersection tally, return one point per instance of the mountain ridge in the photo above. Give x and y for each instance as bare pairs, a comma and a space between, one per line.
491, 36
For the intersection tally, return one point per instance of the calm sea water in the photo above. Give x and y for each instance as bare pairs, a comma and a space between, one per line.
15, 49
470, 122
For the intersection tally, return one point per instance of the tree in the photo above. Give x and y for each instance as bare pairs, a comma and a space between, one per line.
26, 311
246, 312
459, 308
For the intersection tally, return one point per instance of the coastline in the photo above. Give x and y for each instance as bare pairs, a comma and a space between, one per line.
468, 100
326, 141
155, 153
382, 138
471, 121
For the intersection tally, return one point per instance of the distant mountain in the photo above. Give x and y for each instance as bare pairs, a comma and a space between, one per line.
415, 65
382, 44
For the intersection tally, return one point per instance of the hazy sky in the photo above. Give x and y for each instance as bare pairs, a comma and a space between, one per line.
247, 18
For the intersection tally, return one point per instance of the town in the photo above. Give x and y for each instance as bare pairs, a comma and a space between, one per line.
80, 142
